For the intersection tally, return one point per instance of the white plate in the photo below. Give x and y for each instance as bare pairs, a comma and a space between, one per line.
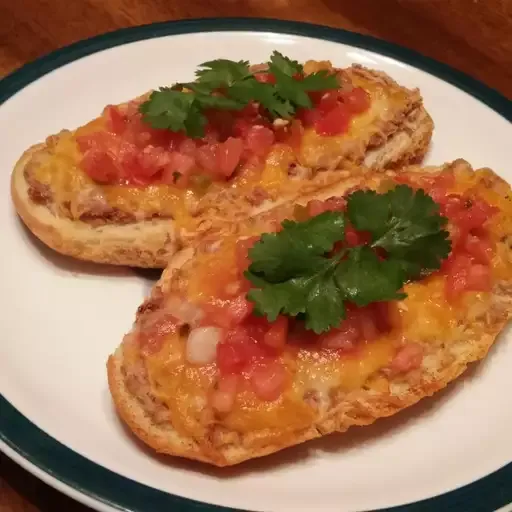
61, 319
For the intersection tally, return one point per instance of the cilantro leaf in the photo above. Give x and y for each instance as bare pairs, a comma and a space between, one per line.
365, 279
167, 108
316, 296
205, 97
405, 223
195, 122
293, 272
295, 91
298, 248
283, 64
222, 72
230, 85
219, 102
290, 89
319, 81
263, 93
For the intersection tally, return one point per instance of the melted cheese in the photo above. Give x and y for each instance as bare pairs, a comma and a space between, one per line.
326, 369
425, 316
60, 167
320, 151
181, 386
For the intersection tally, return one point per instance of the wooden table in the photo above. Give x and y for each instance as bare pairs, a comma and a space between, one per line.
472, 35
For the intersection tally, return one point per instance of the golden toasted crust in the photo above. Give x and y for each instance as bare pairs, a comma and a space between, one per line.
401, 136
359, 408
443, 361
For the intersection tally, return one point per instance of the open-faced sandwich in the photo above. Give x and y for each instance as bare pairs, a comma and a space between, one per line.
122, 188
354, 304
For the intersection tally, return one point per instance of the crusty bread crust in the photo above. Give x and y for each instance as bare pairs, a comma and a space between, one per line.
401, 139
362, 407
443, 362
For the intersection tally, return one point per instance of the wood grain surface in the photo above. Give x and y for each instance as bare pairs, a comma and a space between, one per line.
474, 36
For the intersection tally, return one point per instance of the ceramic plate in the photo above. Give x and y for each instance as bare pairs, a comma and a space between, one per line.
61, 319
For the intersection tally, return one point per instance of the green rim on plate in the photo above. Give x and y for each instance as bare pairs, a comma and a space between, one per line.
109, 488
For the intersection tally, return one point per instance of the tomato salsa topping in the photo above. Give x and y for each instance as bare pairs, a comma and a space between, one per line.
330, 280
468, 266
226, 120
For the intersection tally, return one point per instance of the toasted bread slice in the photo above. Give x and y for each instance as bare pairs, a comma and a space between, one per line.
166, 401
142, 226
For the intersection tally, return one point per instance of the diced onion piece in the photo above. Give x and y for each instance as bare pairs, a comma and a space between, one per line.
202, 345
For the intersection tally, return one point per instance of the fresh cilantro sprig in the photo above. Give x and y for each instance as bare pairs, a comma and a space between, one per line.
295, 272
230, 85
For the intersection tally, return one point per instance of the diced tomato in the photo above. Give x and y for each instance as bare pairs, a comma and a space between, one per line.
315, 207
464, 275
228, 156
344, 338
335, 122
446, 179
357, 100
227, 313
438, 194
361, 323
238, 351
253, 329
353, 237
386, 315
479, 278
333, 204
315, 96
251, 110
99, 166
268, 380
140, 133
153, 159
265, 78
408, 357
242, 252
241, 127
188, 147
456, 268
224, 396
231, 358
477, 213
239, 309
153, 330
98, 140
275, 337
116, 120
479, 248
365, 320
328, 101
308, 116
211, 135
220, 123
368, 326
259, 140
466, 212
206, 157
178, 170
